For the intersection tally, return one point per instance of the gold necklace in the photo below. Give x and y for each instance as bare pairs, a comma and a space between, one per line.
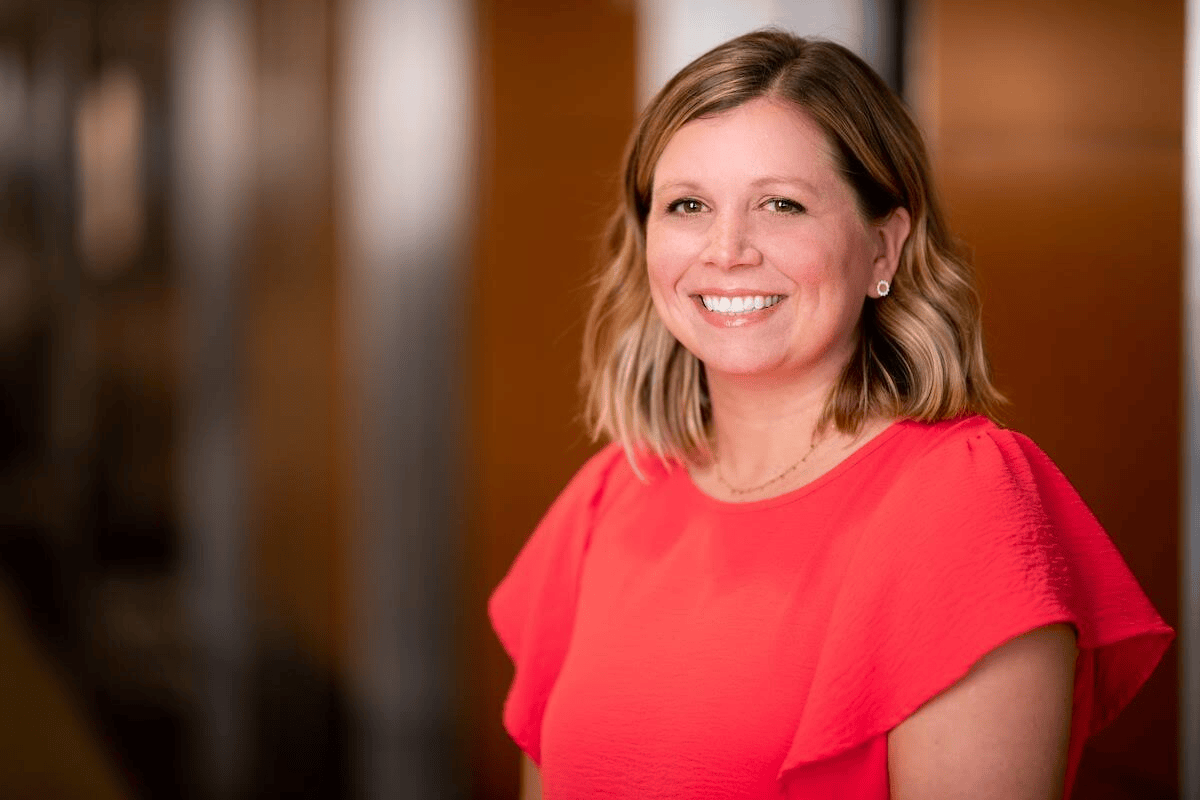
735, 491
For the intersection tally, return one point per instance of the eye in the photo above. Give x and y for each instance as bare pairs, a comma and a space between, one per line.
784, 206
685, 205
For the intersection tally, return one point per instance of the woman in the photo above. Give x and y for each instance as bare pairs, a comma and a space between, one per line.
809, 565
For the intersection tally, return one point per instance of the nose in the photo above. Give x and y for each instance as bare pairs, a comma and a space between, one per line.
730, 243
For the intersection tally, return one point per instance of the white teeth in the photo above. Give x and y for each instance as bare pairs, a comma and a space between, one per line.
739, 305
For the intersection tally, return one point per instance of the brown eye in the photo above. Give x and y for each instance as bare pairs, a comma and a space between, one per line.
687, 205
785, 206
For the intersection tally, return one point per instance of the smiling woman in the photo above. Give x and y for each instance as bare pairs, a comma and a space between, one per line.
809, 564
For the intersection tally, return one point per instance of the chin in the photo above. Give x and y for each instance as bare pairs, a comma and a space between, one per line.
741, 366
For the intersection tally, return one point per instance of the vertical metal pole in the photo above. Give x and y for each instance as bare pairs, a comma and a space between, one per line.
211, 132
1189, 619
407, 157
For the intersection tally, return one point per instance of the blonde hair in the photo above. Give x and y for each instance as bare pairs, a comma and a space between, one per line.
919, 353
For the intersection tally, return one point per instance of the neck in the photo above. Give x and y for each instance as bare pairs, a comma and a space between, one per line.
762, 427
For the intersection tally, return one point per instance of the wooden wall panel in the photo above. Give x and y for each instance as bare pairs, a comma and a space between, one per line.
1056, 134
557, 99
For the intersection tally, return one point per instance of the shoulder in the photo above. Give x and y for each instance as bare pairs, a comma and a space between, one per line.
969, 498
933, 438
975, 455
967, 537
593, 476
610, 478
603, 476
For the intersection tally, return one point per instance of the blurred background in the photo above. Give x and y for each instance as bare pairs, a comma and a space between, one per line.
291, 297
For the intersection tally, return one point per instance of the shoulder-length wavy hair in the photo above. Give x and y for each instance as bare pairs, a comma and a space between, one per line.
919, 352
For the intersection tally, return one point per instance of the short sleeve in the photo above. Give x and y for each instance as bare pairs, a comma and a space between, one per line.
980, 541
533, 608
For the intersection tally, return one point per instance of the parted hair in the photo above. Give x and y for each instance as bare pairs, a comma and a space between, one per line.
919, 352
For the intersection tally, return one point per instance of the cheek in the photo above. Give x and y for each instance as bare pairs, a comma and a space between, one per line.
861, 254
827, 262
663, 274
663, 262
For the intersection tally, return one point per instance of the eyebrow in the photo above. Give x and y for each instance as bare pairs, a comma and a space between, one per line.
678, 186
793, 180
766, 180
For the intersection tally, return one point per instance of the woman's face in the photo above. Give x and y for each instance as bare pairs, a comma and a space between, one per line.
759, 261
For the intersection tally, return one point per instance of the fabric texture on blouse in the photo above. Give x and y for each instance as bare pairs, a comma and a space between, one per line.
668, 644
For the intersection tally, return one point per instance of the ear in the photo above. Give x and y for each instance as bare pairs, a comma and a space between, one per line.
892, 233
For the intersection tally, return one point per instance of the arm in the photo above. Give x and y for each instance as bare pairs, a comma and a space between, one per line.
1000, 732
531, 780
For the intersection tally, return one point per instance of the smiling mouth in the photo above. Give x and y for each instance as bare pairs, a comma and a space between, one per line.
739, 305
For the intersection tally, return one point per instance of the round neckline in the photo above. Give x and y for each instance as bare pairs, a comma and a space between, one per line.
799, 492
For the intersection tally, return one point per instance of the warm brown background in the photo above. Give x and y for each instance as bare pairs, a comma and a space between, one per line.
1056, 136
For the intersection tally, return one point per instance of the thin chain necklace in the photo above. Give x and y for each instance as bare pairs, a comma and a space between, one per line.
738, 492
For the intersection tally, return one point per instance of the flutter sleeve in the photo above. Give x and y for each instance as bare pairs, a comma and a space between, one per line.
981, 540
533, 608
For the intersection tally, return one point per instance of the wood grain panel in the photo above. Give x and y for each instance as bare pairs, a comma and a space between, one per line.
557, 94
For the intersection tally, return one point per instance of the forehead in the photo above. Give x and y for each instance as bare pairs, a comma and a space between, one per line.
763, 136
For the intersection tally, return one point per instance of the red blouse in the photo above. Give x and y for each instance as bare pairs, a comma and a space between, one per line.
668, 644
